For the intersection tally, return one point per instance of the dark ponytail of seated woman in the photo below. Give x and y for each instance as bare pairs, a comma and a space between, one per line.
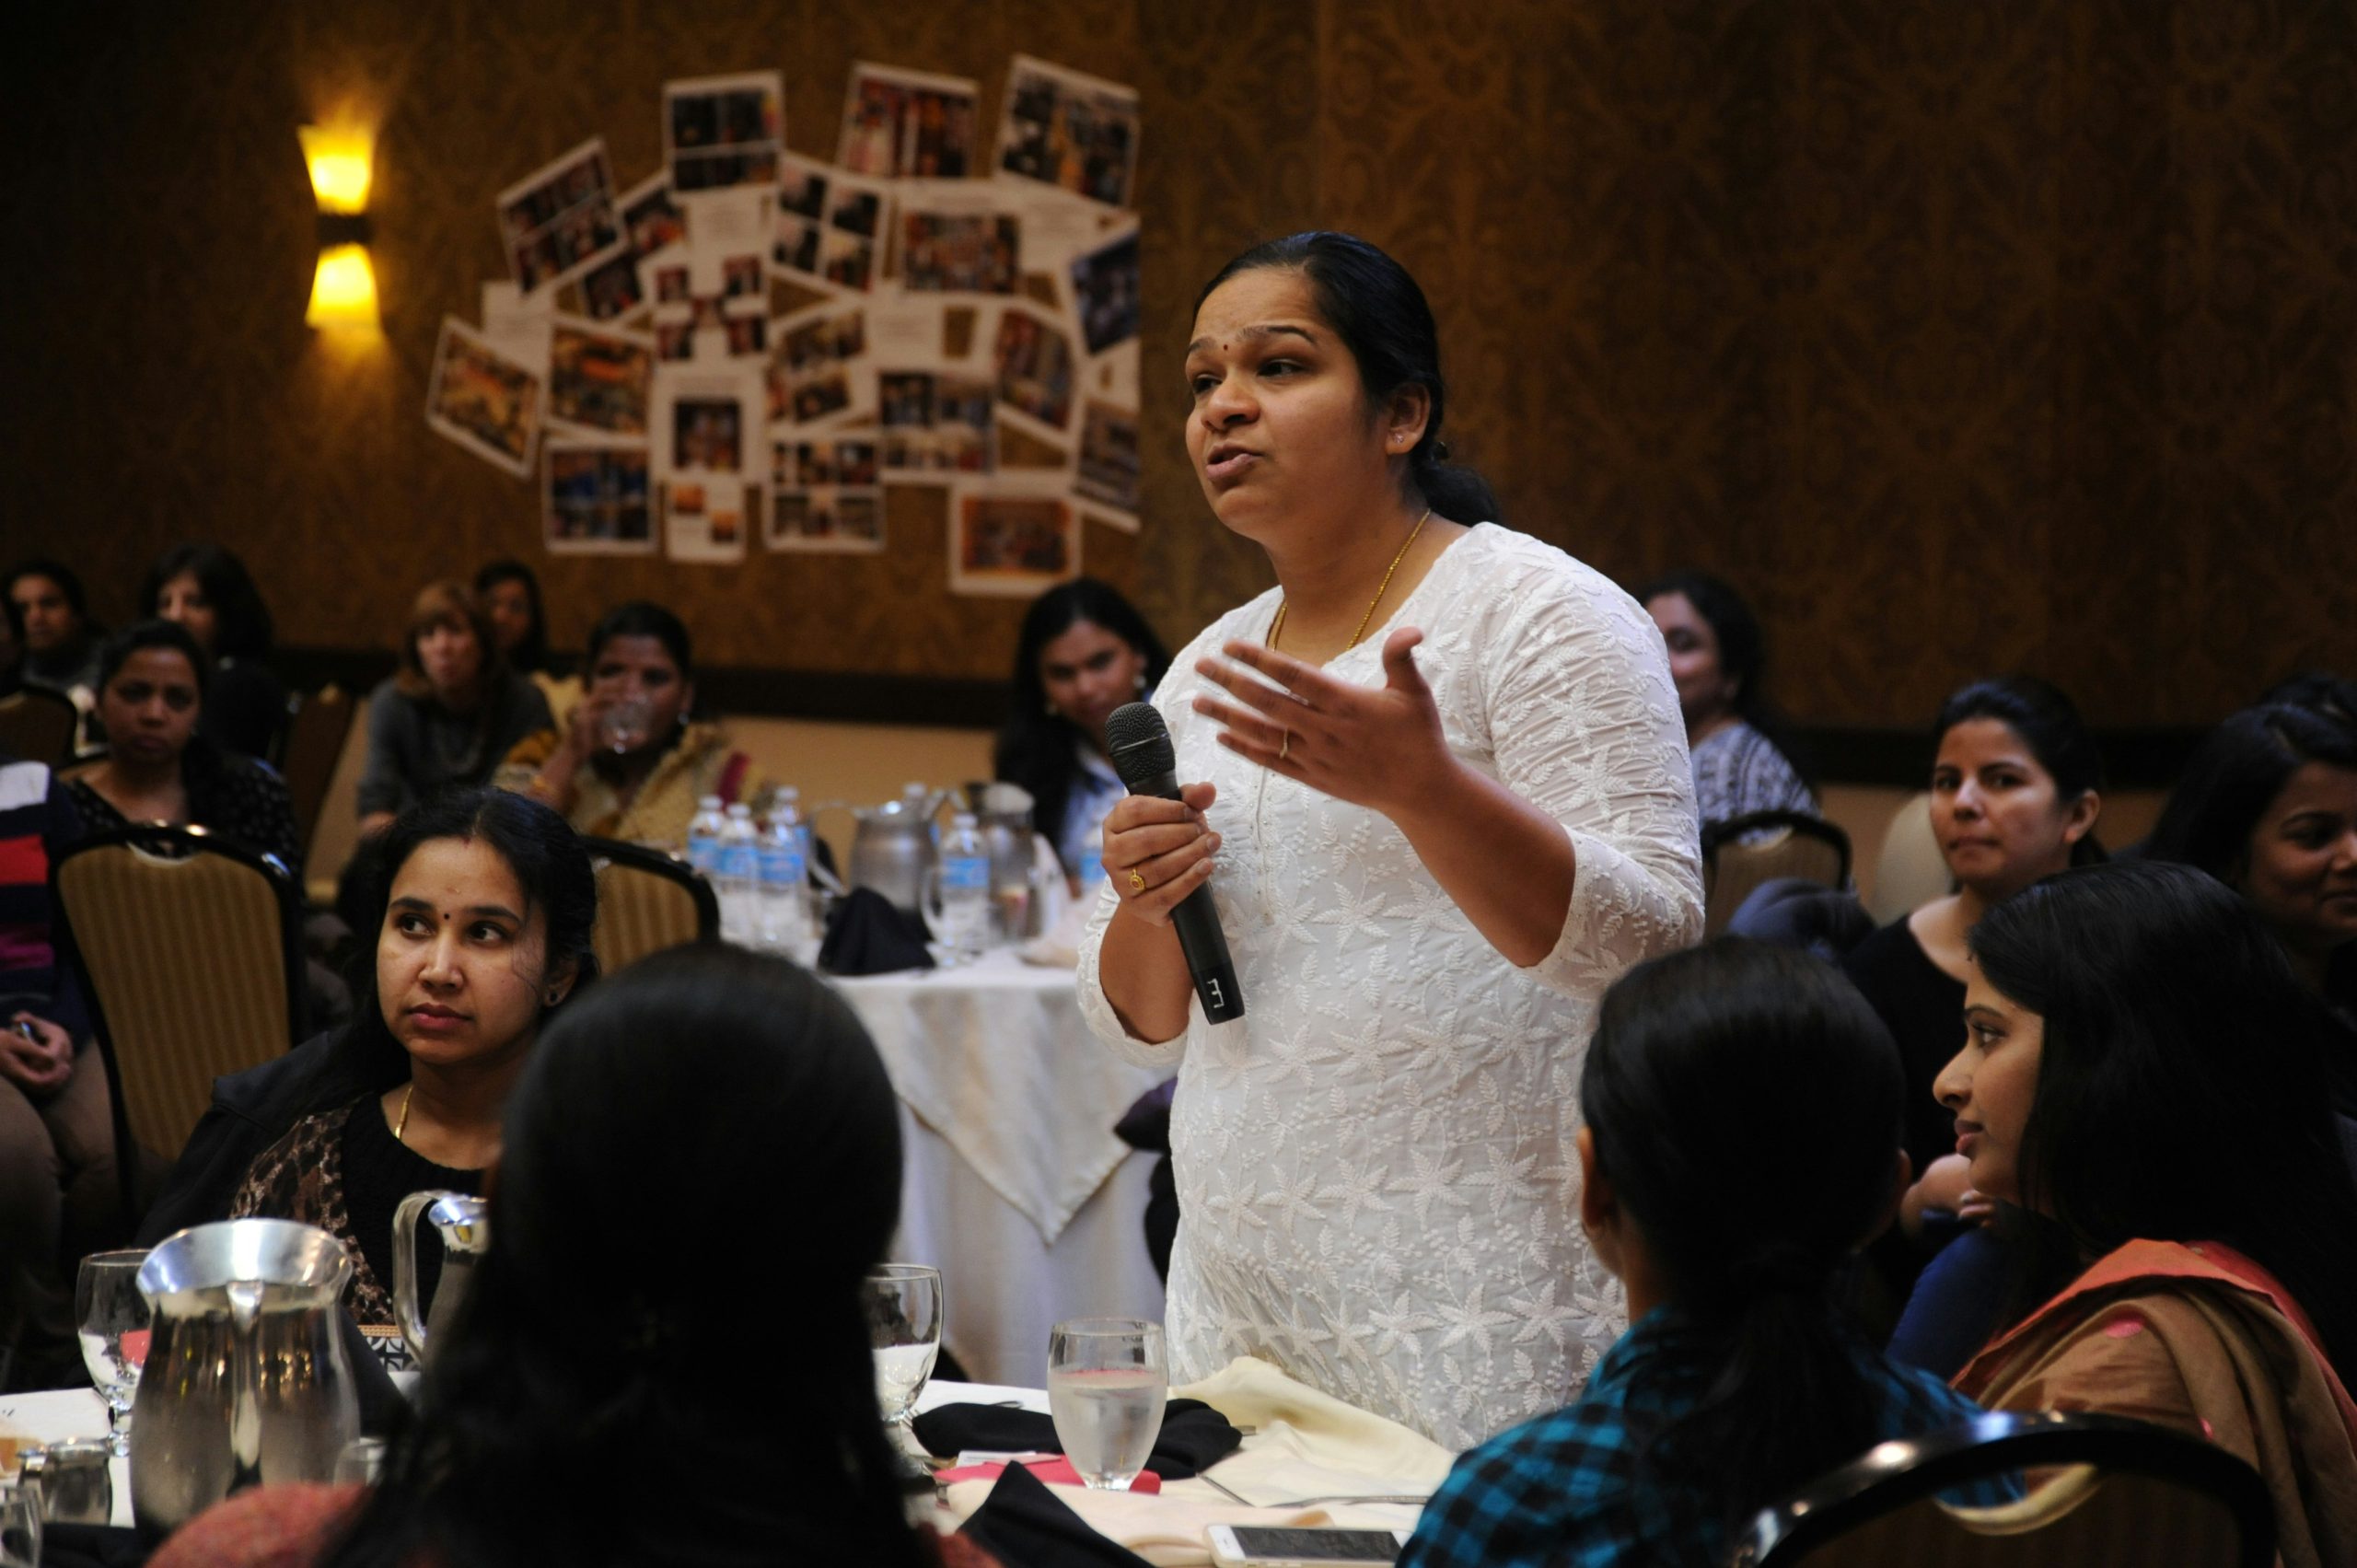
1741, 1144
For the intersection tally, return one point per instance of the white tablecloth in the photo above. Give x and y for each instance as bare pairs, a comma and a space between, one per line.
1016, 1188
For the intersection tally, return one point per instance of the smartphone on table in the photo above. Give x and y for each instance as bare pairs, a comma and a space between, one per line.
1250, 1546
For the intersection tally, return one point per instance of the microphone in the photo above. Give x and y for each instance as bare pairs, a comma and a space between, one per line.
1143, 755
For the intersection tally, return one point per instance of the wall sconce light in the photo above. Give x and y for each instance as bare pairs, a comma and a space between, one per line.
344, 286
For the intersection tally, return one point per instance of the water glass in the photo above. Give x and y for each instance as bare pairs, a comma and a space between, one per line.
360, 1463
903, 1302
112, 1317
625, 724
1107, 1383
19, 1524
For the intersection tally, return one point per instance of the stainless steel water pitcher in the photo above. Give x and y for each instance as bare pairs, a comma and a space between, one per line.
246, 1381
464, 1224
892, 850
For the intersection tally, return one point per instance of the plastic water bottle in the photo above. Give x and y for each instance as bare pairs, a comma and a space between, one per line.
965, 891
789, 800
785, 905
704, 838
738, 882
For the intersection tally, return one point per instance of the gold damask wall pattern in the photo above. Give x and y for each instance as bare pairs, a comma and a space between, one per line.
1966, 337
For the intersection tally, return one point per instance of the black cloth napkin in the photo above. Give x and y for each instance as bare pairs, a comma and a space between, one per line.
1194, 1438
868, 935
1023, 1521
91, 1546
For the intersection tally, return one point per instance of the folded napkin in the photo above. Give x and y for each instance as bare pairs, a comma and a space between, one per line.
1165, 1531
1193, 1438
1023, 1522
867, 934
1315, 1430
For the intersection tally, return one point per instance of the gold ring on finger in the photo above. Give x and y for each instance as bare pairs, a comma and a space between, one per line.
1137, 881
1285, 745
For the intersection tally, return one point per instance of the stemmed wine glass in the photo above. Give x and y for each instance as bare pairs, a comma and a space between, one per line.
903, 1302
1106, 1384
112, 1319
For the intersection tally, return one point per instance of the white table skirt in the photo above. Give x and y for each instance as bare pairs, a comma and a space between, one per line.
1015, 1187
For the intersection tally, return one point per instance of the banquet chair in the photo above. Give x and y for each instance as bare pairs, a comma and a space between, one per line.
2108, 1493
1743, 852
192, 946
37, 725
647, 900
1909, 872
309, 743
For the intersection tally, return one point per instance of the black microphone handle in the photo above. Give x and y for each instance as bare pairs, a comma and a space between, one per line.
1197, 922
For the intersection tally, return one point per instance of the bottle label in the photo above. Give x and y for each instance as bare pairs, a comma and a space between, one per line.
1092, 866
781, 866
966, 874
704, 853
737, 860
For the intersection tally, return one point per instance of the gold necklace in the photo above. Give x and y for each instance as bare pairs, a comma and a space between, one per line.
401, 1122
1277, 626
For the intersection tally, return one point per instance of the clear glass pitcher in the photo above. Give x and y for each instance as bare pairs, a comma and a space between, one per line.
464, 1224
246, 1382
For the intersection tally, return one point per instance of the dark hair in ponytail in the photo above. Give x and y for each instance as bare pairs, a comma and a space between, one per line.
1710, 1067
1383, 318
611, 1317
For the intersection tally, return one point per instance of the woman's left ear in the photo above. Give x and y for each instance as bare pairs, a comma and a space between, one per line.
2084, 812
560, 984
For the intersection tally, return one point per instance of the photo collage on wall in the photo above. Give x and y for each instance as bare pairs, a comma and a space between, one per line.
757, 343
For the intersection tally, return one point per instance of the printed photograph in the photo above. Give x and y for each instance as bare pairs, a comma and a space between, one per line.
598, 379
651, 218
1109, 457
707, 433
828, 520
483, 401
610, 290
1075, 132
959, 253
814, 357
720, 131
1011, 545
1105, 293
556, 221
597, 499
1033, 360
907, 124
937, 424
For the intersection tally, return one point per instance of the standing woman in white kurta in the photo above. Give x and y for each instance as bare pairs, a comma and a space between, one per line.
1463, 808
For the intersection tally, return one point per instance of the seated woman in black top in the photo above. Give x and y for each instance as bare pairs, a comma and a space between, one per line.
2269, 807
206, 589
452, 712
484, 902
1083, 651
2016, 791
160, 767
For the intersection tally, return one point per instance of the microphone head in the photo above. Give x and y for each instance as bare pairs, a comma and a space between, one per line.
1140, 743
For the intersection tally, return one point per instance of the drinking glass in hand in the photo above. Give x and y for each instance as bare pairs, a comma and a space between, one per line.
624, 726
1107, 1382
903, 1302
112, 1318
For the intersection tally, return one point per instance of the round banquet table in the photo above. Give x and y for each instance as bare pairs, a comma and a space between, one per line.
1016, 1189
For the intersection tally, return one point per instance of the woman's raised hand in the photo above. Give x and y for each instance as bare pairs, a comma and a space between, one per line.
1377, 747
1158, 851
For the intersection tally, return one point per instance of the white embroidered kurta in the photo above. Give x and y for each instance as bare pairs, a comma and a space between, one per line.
1376, 1168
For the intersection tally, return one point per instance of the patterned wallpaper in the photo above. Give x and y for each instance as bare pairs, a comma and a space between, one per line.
1965, 337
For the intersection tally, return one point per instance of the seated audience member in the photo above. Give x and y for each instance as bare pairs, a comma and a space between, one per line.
630, 762
591, 1326
58, 1176
450, 713
484, 902
2269, 807
510, 592
2016, 783
158, 766
206, 589
1083, 651
2138, 1075
57, 643
1716, 656
1714, 1070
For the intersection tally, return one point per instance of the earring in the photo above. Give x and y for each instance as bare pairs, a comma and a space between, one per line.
1051, 710
1137, 681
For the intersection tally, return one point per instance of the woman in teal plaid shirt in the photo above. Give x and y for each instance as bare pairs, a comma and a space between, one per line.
1740, 1379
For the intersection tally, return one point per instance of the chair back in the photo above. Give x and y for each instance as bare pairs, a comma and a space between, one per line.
647, 900
37, 725
2110, 1492
192, 949
309, 744
1910, 872
1743, 852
